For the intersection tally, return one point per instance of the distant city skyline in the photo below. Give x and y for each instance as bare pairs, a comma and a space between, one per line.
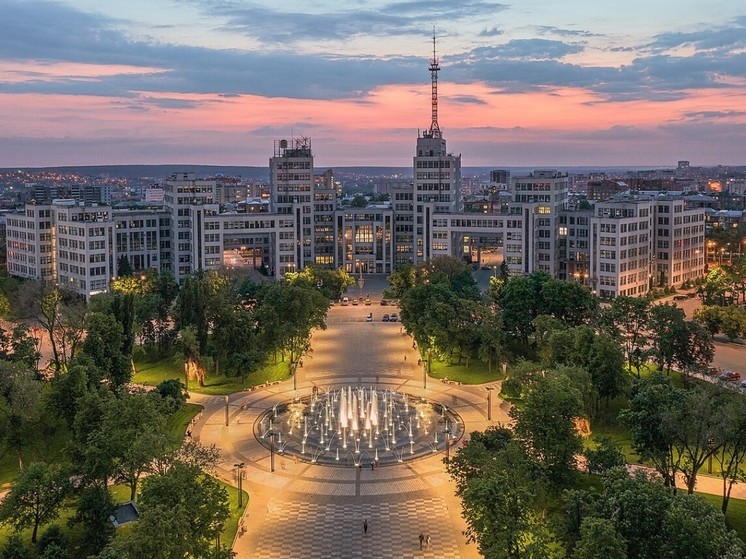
531, 83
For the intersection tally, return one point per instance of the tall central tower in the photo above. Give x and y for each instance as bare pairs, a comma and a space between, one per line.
437, 176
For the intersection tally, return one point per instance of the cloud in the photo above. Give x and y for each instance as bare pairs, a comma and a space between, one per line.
272, 26
713, 115
729, 38
39, 30
551, 30
466, 99
492, 32
528, 49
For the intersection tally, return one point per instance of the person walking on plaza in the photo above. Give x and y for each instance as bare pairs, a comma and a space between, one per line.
422, 539
365, 526
427, 540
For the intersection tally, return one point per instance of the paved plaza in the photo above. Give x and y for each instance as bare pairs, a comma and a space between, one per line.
313, 511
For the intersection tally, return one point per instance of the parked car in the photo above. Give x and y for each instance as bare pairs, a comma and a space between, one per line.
394, 317
743, 384
384, 302
367, 301
486, 268
680, 297
369, 318
355, 302
345, 301
730, 376
385, 318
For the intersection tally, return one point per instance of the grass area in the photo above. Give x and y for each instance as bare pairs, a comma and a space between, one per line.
41, 447
176, 425
156, 372
476, 373
231, 525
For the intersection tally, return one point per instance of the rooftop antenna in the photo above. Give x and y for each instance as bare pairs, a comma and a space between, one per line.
434, 69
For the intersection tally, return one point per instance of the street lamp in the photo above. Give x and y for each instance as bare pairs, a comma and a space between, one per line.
489, 402
271, 450
239, 472
447, 439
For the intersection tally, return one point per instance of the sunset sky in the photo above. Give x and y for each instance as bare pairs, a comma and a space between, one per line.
528, 82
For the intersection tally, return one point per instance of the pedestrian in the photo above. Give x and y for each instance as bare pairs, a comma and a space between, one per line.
365, 526
405, 358
427, 540
372, 466
422, 539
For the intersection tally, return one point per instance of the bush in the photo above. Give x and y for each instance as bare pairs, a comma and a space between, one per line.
52, 536
15, 548
605, 456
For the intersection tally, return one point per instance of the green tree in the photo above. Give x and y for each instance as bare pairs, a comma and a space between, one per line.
192, 306
401, 280
35, 497
695, 425
694, 529
183, 511
20, 406
547, 422
103, 345
605, 456
359, 201
598, 538
730, 451
668, 334
123, 267
498, 505
133, 432
606, 367
16, 548
297, 308
491, 335
66, 389
95, 506
652, 401
630, 315
60, 313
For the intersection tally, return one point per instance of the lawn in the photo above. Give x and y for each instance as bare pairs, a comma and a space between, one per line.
476, 373
154, 373
39, 447
176, 425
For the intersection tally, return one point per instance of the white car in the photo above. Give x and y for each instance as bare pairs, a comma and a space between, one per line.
369, 318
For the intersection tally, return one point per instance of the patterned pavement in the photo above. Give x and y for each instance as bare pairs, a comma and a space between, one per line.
311, 511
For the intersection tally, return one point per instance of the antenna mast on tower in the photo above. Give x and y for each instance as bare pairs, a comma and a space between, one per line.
434, 69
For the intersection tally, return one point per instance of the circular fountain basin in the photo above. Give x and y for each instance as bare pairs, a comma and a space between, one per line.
358, 426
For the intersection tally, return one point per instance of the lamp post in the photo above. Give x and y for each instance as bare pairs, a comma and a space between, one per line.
447, 440
226, 410
239, 469
271, 450
424, 373
489, 402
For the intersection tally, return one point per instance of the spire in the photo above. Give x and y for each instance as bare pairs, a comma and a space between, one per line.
434, 69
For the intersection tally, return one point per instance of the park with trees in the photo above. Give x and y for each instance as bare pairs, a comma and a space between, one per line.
593, 387
85, 429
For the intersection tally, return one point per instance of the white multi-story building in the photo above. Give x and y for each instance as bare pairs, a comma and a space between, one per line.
623, 246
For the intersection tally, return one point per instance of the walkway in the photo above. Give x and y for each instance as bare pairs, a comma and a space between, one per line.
311, 511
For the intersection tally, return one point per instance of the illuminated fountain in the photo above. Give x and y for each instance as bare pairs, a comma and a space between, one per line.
358, 426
